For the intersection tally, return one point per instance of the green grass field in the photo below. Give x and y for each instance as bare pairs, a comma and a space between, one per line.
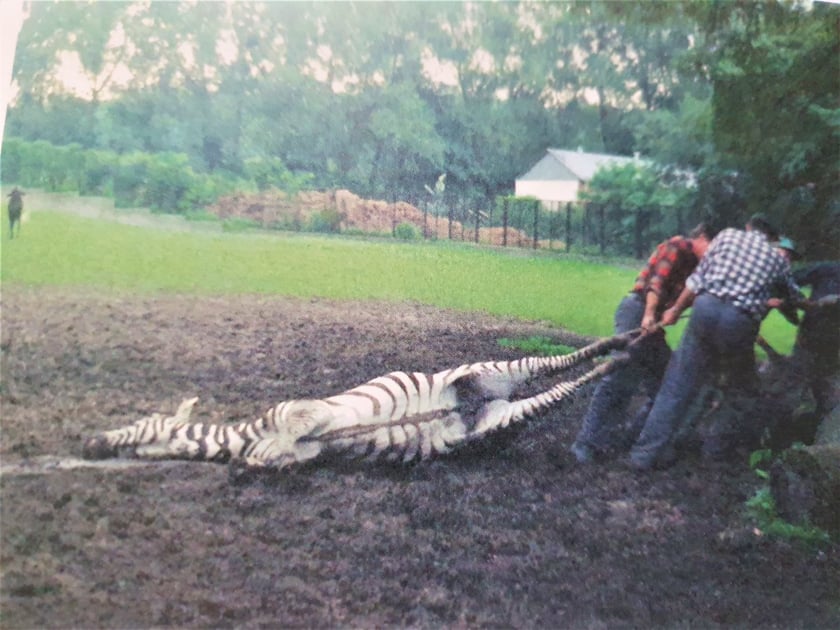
61, 249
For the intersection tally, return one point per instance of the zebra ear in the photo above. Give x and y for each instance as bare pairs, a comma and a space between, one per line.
185, 409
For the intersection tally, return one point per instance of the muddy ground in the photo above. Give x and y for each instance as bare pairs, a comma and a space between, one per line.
511, 535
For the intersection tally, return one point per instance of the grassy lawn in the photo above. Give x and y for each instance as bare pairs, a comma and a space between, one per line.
580, 295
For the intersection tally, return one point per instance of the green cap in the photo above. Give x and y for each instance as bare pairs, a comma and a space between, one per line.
786, 243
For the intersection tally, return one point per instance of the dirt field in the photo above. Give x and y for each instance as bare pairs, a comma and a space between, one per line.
511, 535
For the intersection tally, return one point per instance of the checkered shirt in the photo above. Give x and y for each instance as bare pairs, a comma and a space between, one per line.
742, 268
666, 271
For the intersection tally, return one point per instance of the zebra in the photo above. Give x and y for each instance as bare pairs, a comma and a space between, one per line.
399, 417
15, 210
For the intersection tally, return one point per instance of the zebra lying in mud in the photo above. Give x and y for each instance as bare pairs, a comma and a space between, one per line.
402, 416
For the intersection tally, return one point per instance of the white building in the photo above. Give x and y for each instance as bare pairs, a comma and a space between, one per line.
559, 176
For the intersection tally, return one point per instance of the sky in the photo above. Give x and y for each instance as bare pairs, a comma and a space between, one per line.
12, 14
11, 18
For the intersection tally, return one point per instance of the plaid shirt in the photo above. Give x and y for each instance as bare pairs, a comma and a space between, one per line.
742, 268
666, 271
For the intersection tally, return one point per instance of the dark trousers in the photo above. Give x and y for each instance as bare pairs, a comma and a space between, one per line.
649, 356
719, 339
816, 354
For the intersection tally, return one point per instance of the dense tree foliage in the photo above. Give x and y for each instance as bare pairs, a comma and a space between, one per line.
384, 97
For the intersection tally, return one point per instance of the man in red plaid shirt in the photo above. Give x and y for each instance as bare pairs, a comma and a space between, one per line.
657, 287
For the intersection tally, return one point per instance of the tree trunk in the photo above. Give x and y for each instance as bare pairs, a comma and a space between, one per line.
805, 483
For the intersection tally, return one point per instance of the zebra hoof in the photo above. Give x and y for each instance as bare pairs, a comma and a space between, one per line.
97, 447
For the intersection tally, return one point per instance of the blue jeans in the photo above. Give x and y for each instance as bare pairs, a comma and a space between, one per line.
608, 409
719, 338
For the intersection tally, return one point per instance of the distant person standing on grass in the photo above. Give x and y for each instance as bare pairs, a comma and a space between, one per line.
15, 210
657, 287
730, 291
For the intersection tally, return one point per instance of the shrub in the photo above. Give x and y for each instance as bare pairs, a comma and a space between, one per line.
169, 178
327, 221
97, 174
11, 161
761, 508
64, 168
407, 232
200, 215
130, 179
265, 172
32, 159
239, 224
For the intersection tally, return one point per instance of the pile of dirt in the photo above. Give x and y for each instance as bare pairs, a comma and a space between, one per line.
274, 208
510, 534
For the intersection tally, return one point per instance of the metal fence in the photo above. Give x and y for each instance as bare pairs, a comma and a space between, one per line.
581, 227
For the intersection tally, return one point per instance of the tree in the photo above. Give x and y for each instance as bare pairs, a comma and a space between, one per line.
774, 67
639, 208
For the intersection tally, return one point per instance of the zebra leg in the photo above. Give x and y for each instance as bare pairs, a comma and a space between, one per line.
278, 453
499, 414
149, 436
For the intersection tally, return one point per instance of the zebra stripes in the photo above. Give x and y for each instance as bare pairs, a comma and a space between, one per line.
401, 416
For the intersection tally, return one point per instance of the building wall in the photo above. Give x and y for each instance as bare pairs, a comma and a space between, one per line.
548, 191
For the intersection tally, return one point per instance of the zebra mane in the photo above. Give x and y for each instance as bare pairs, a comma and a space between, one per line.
401, 416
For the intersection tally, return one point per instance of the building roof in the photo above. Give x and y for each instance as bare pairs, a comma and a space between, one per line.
562, 164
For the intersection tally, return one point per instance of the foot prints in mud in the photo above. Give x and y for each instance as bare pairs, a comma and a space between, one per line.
510, 534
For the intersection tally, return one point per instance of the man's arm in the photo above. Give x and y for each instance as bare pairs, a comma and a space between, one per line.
686, 299
651, 302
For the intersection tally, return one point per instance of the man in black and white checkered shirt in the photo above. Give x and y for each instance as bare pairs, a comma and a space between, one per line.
729, 290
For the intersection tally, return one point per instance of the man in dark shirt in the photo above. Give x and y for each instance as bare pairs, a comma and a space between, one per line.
657, 287
732, 285
816, 352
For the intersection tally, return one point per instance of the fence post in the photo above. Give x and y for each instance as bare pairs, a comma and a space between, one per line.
568, 227
584, 226
536, 223
477, 222
504, 221
394, 214
601, 228
552, 226
425, 219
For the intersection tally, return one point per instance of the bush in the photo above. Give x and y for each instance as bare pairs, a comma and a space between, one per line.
239, 224
200, 215
326, 221
265, 172
34, 155
97, 176
10, 164
130, 179
407, 232
163, 181
64, 168
169, 178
